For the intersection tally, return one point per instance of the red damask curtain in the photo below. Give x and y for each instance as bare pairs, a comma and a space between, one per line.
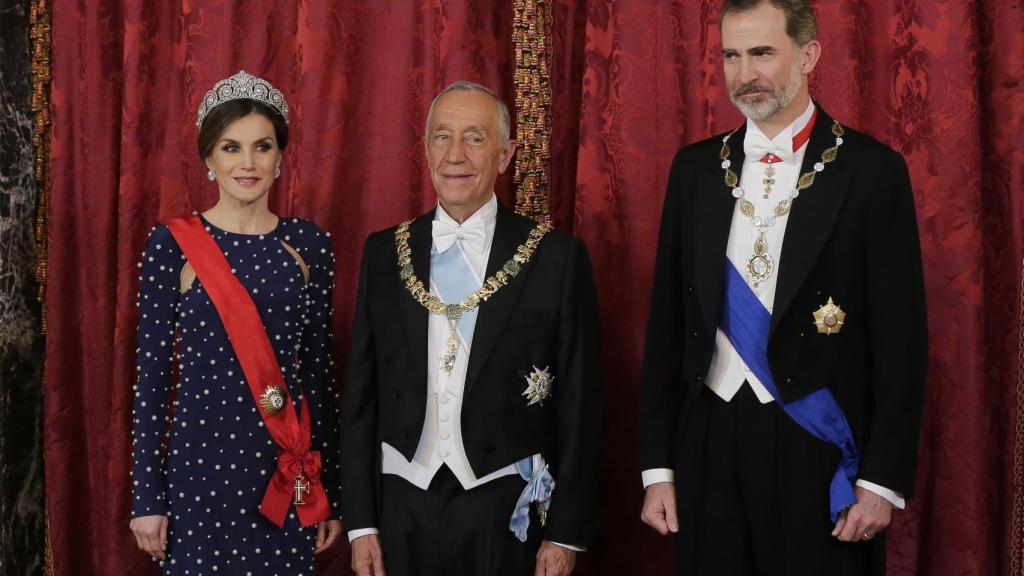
632, 81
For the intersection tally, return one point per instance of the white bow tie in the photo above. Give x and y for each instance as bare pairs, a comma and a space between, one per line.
471, 235
756, 145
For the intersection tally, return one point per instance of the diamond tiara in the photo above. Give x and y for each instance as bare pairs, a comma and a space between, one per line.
243, 86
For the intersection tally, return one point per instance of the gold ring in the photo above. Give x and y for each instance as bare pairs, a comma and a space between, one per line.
867, 536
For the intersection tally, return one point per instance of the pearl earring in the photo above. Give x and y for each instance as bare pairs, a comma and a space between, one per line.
211, 175
277, 173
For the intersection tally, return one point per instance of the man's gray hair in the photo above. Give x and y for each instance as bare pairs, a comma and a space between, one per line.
801, 25
504, 118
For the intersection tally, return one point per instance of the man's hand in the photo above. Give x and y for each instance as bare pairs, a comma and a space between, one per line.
659, 510
869, 516
367, 559
151, 535
554, 560
326, 534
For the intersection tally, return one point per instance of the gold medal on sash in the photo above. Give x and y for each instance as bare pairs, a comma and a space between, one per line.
829, 318
272, 400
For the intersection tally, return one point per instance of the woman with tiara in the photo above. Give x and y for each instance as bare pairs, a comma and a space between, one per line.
239, 300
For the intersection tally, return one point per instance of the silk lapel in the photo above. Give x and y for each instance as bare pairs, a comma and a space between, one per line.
414, 314
713, 206
812, 216
508, 235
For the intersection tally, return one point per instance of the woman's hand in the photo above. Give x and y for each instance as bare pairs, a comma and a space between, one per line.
151, 535
326, 534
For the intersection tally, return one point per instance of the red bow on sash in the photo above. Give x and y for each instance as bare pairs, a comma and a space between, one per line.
294, 482
297, 477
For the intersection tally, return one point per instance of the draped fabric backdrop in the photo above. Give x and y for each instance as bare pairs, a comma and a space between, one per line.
632, 80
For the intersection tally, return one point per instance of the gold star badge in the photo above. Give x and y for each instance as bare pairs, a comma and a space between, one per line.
272, 400
829, 318
538, 386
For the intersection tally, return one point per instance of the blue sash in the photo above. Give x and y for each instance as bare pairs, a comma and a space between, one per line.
746, 324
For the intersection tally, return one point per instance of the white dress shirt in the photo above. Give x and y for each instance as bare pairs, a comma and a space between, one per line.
728, 373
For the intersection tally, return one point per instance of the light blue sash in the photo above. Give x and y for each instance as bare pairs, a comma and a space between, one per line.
450, 273
539, 486
454, 280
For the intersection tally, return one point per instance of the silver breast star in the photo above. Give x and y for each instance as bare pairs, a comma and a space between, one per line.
538, 386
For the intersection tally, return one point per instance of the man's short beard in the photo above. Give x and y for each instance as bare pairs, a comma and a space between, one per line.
778, 97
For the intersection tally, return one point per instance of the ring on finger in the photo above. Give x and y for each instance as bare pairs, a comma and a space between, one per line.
867, 536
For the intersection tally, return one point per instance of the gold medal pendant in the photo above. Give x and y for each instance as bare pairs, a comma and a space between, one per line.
760, 266
452, 313
769, 176
829, 319
301, 487
272, 400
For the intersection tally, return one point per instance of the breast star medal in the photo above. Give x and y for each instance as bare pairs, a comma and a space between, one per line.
829, 318
272, 400
538, 386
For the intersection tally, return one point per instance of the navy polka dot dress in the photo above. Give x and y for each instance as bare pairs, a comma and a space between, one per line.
210, 477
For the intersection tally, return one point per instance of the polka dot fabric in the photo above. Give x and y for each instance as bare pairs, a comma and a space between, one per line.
211, 476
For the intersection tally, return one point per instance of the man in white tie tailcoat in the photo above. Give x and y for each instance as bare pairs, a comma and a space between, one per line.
472, 403
786, 349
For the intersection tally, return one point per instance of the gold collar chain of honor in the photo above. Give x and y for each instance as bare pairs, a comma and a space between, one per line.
761, 265
453, 312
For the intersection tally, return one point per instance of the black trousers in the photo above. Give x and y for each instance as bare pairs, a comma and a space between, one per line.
448, 531
752, 491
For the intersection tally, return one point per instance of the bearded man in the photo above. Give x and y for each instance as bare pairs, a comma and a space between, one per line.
786, 349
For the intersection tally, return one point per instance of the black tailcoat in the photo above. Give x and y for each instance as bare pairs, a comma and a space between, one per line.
851, 236
546, 316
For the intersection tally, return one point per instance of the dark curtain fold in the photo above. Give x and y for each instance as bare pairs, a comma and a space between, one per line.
632, 81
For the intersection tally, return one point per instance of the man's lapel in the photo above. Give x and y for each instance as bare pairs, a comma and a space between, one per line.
508, 235
414, 313
812, 216
713, 207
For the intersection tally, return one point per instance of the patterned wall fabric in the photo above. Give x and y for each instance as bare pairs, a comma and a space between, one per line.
631, 81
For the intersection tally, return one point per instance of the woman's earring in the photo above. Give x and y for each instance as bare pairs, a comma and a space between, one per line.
277, 173
211, 175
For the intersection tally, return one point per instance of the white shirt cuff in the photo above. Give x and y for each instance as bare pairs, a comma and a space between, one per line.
569, 546
656, 475
895, 498
353, 534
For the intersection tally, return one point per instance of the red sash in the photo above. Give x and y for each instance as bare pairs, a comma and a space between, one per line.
298, 467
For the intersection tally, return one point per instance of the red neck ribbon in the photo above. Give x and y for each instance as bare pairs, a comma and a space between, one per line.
296, 463
804, 134
799, 140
